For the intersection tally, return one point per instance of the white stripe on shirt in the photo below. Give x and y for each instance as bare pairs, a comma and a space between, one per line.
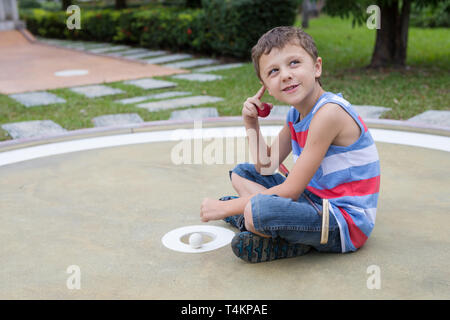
355, 158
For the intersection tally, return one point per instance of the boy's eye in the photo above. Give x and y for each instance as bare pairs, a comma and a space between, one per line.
272, 71
295, 61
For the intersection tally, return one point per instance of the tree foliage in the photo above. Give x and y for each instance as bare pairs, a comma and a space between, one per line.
356, 9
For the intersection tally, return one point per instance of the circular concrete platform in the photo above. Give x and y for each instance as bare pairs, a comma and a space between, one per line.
105, 210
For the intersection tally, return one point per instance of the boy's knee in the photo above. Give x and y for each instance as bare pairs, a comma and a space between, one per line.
249, 217
235, 180
243, 168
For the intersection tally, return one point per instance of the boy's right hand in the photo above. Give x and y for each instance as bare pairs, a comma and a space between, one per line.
249, 111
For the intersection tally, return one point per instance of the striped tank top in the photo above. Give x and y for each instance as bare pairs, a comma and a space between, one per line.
349, 177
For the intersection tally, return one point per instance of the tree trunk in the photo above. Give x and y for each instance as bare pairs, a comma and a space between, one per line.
121, 4
305, 14
194, 3
65, 4
392, 38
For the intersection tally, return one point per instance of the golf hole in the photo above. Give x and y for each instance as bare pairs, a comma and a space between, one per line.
207, 237
212, 238
71, 73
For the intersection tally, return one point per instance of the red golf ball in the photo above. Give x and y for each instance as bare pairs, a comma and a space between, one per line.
265, 111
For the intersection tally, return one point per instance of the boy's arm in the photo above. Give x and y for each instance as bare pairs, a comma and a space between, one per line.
277, 152
267, 159
324, 128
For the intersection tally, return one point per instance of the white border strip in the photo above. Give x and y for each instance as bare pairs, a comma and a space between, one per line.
389, 136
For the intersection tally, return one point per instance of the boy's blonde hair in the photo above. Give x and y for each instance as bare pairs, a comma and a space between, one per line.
277, 38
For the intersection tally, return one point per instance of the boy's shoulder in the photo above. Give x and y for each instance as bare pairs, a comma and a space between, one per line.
330, 114
332, 106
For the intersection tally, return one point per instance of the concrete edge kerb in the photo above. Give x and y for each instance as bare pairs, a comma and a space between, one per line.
207, 123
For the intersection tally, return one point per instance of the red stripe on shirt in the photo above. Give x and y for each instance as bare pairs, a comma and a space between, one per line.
364, 125
349, 189
357, 237
300, 137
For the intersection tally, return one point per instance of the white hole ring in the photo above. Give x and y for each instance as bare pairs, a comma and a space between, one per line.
71, 73
220, 238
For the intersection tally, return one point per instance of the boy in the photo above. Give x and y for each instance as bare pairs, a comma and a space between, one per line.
335, 158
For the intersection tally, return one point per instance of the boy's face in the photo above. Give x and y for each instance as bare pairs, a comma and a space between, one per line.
289, 73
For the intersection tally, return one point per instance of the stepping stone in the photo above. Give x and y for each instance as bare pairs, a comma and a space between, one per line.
37, 98
127, 52
149, 83
108, 49
220, 67
146, 54
78, 46
169, 58
95, 45
279, 112
95, 91
178, 103
433, 117
370, 112
191, 63
194, 114
117, 119
31, 129
53, 41
202, 77
163, 95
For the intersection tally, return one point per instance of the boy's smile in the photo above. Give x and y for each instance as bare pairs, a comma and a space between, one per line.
290, 75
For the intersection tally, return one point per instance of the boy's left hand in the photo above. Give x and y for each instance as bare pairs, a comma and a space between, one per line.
212, 209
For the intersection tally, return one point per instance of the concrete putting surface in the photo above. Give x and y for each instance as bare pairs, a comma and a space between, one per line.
106, 211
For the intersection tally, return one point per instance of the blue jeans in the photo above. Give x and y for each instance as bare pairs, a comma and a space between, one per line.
295, 221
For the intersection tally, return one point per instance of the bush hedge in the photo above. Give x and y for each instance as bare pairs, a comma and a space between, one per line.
221, 27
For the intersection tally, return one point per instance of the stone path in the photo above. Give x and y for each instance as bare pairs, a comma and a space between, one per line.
108, 49
434, 117
168, 58
178, 103
116, 119
37, 98
128, 52
219, 67
198, 77
32, 129
371, 112
157, 96
149, 83
96, 91
165, 100
194, 114
145, 54
191, 63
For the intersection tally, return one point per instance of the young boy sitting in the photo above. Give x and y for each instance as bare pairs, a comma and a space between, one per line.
335, 159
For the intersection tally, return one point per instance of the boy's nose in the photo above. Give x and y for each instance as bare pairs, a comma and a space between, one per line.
285, 75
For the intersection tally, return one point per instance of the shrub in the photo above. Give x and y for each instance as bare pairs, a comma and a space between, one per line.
222, 27
234, 26
29, 4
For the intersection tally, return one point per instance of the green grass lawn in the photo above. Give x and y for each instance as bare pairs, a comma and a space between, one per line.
345, 52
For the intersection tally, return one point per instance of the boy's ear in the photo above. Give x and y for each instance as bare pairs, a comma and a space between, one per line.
318, 67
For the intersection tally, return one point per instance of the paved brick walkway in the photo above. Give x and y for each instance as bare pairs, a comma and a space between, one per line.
22, 63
